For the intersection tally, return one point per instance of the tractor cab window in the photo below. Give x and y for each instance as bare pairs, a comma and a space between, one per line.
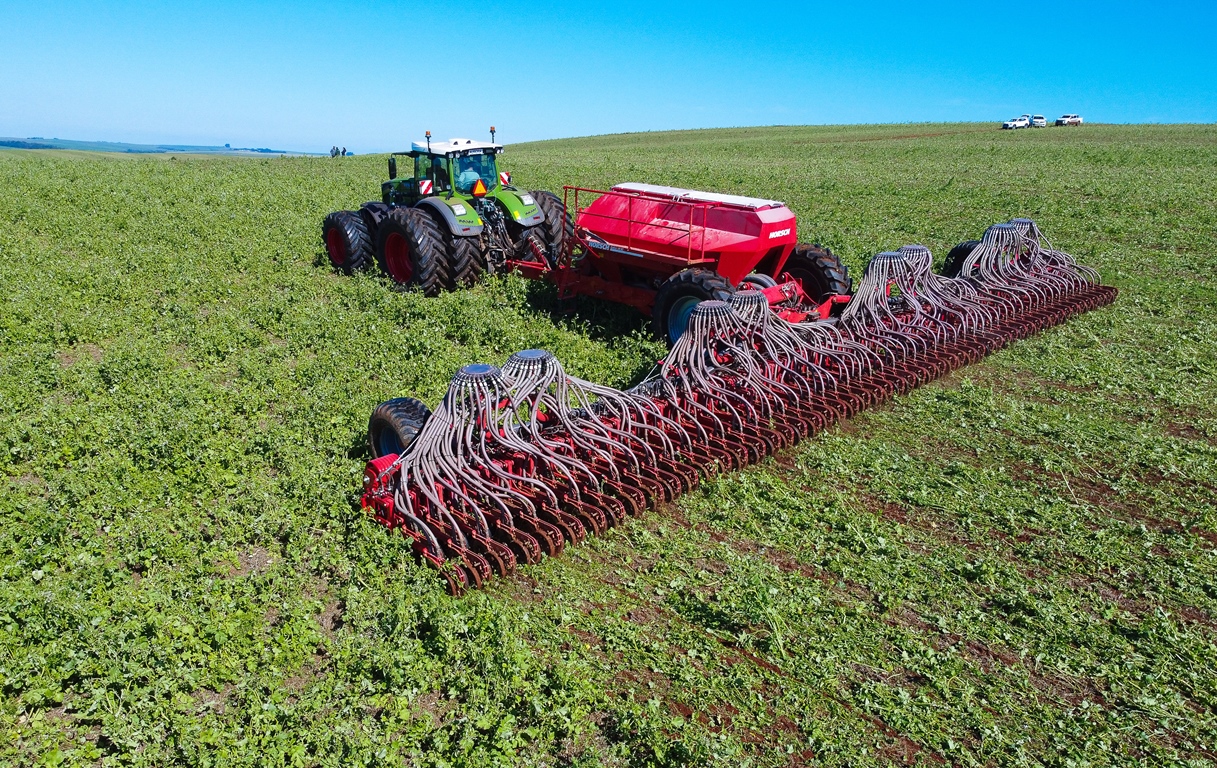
435, 170
470, 168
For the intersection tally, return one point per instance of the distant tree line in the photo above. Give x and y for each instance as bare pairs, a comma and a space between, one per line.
25, 145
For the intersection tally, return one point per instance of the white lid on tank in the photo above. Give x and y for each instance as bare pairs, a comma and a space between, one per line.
693, 195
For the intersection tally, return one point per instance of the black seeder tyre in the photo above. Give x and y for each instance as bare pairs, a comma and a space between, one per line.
558, 224
821, 271
394, 425
346, 240
759, 279
466, 262
679, 294
410, 249
958, 255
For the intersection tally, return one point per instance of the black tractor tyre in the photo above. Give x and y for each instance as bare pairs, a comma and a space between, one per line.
558, 224
466, 259
394, 425
821, 271
345, 237
759, 279
520, 237
410, 248
466, 262
373, 213
958, 255
679, 294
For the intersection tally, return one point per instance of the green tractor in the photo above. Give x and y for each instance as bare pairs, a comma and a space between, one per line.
456, 218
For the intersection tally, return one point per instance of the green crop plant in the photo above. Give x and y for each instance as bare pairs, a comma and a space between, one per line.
1015, 565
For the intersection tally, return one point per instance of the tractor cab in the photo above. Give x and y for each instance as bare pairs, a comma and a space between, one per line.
456, 167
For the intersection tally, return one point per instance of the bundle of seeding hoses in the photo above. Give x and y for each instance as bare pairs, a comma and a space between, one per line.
518, 460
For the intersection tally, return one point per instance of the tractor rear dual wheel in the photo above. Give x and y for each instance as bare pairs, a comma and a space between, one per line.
373, 213
347, 242
466, 262
820, 270
680, 294
411, 249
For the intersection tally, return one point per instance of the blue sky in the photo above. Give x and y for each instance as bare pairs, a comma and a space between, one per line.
373, 75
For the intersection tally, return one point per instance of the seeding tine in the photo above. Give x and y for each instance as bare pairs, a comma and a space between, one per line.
592, 519
548, 536
631, 497
525, 546
455, 575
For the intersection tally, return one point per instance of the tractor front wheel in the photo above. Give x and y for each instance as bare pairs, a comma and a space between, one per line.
394, 425
680, 294
820, 270
410, 248
346, 240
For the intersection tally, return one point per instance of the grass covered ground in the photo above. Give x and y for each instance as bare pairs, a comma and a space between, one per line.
1016, 565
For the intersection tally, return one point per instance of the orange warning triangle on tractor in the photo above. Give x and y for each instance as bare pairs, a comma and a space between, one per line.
479, 189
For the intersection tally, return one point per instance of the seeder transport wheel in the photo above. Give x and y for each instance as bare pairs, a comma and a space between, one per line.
955, 259
679, 294
394, 425
345, 235
758, 279
820, 270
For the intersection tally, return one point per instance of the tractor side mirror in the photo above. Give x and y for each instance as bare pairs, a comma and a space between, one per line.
392, 167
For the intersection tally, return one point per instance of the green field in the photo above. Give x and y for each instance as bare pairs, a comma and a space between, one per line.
1016, 565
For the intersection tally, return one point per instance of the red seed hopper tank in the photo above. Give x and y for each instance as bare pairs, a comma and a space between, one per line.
664, 249
680, 228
